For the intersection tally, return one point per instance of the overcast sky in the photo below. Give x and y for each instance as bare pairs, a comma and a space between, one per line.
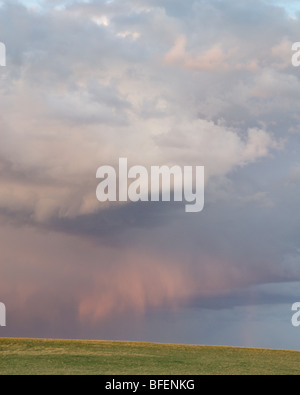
160, 82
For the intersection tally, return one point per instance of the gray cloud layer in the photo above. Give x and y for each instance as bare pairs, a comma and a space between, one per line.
160, 82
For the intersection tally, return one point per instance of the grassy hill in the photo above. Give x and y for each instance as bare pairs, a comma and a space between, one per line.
68, 357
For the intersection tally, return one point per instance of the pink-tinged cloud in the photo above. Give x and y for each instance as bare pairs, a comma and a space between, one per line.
139, 282
47, 273
214, 59
96, 81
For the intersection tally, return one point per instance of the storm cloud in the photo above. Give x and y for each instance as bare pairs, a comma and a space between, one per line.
160, 83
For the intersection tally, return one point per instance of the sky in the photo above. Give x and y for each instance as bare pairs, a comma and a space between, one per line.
160, 82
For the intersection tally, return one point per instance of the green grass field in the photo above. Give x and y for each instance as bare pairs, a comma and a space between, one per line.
68, 357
